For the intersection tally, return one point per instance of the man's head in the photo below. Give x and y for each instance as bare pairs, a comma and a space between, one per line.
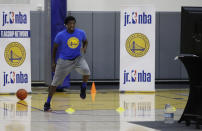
70, 22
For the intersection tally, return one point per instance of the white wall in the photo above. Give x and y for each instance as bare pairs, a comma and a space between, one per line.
114, 5
110, 5
14, 1
37, 4
93, 5
32, 4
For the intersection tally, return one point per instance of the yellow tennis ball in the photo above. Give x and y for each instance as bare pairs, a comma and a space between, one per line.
120, 109
70, 110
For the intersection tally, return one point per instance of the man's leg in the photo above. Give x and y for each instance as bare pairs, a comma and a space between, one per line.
83, 86
63, 68
85, 78
51, 91
82, 68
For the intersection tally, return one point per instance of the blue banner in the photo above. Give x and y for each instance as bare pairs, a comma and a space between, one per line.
14, 33
58, 14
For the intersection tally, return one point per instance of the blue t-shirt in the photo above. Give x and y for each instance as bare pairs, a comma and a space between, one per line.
69, 44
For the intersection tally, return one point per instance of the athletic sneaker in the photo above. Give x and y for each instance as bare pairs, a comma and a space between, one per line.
46, 107
83, 92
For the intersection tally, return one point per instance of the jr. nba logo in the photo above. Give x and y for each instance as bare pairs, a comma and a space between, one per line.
137, 18
135, 76
13, 18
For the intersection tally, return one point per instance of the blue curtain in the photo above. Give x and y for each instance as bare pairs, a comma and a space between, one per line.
58, 14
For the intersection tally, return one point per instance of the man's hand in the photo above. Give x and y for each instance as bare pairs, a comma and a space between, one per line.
83, 50
84, 47
53, 67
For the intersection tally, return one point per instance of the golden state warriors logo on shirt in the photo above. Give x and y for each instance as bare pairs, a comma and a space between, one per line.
14, 54
137, 45
73, 42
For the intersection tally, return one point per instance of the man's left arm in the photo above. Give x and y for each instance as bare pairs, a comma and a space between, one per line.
85, 44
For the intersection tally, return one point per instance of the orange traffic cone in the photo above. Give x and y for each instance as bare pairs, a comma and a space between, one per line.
93, 96
93, 89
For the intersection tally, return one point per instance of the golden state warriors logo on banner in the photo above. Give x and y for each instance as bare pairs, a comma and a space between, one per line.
73, 42
137, 45
14, 54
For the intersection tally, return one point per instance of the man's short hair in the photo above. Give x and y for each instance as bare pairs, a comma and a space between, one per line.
69, 18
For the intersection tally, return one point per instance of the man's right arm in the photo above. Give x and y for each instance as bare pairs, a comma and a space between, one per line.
55, 47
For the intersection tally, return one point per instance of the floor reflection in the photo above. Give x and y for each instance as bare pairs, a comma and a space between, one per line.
106, 111
15, 115
138, 107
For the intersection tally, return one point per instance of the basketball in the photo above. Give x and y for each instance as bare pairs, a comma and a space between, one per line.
21, 94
